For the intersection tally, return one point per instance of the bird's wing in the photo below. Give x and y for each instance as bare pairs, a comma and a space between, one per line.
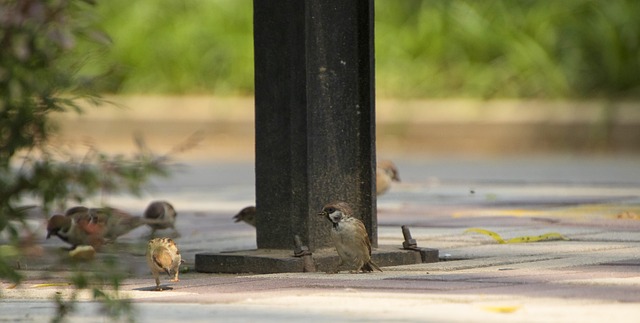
365, 238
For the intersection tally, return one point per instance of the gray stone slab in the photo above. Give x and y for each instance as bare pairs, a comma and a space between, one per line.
264, 261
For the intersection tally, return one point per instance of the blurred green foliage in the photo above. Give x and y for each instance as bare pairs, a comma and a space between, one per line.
506, 48
39, 77
424, 48
178, 46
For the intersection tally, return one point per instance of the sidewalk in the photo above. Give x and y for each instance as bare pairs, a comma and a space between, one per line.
592, 277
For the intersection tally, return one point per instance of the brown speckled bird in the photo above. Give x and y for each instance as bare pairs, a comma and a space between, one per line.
350, 238
163, 256
386, 173
93, 226
247, 215
76, 229
164, 212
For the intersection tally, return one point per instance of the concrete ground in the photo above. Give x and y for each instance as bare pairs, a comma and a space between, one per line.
591, 276
591, 200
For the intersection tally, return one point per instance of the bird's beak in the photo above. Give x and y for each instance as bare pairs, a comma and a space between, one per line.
237, 218
322, 214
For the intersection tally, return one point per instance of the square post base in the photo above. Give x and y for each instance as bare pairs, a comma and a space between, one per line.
270, 261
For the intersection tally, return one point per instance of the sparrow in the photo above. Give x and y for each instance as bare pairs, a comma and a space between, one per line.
164, 211
163, 256
350, 238
76, 229
386, 173
248, 215
93, 226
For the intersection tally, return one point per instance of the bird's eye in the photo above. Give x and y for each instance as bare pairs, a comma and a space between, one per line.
330, 210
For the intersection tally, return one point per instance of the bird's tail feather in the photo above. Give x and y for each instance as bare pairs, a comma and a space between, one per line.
371, 266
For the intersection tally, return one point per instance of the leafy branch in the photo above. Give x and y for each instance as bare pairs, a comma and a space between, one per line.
39, 76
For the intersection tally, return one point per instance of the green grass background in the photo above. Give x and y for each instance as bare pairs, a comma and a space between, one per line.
424, 48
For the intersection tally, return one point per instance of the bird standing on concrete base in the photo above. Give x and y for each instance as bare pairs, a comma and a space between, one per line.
350, 238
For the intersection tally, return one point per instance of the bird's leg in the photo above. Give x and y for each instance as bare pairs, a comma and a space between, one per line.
337, 270
175, 277
359, 268
357, 265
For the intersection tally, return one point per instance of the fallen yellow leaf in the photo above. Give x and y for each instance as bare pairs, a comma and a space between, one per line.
50, 285
492, 234
544, 237
524, 239
502, 309
629, 215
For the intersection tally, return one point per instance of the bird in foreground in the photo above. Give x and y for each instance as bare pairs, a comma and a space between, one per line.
163, 256
163, 211
386, 173
93, 226
248, 215
350, 238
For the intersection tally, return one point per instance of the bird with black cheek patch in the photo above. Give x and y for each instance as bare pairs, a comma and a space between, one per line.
163, 212
350, 238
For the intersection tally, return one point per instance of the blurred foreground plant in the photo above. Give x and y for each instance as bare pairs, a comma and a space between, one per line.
102, 281
37, 80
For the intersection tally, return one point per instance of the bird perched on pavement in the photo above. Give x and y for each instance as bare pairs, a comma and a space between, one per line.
76, 229
350, 238
248, 215
163, 256
93, 226
162, 211
386, 173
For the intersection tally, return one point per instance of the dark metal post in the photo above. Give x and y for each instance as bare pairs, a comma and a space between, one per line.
315, 135
315, 117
